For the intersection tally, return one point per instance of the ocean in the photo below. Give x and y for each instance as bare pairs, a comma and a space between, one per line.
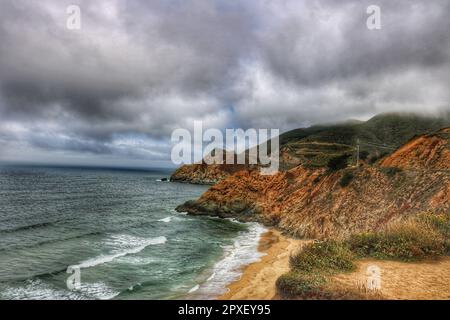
119, 228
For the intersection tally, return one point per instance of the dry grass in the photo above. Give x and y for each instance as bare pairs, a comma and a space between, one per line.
415, 239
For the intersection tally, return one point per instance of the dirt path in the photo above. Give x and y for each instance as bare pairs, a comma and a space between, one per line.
399, 280
258, 279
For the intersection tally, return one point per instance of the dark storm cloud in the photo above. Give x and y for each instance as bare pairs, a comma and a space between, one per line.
324, 41
139, 69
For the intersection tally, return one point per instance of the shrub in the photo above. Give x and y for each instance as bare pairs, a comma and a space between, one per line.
338, 163
391, 171
408, 241
363, 154
377, 156
324, 256
301, 285
439, 222
297, 284
346, 179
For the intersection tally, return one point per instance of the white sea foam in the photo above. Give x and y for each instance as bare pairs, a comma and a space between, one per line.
97, 290
194, 288
38, 290
131, 288
211, 276
242, 252
138, 261
121, 245
166, 220
175, 212
126, 245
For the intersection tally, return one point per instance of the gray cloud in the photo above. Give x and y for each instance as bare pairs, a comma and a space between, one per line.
139, 69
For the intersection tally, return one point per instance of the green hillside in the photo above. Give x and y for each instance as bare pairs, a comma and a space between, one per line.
382, 134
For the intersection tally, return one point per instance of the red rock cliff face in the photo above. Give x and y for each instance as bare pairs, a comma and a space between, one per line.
425, 152
205, 174
312, 203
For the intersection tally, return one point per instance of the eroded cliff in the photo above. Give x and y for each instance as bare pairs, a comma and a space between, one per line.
312, 203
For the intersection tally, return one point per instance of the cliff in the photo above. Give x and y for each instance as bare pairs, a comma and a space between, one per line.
205, 174
315, 203
426, 152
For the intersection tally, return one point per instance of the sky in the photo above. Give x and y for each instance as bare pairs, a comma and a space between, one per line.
113, 91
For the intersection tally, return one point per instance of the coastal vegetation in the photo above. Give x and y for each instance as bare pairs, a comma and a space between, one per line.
346, 179
425, 236
338, 162
391, 171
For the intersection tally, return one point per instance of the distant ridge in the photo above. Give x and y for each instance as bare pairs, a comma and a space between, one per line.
316, 145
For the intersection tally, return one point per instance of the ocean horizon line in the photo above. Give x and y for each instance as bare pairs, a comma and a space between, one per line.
85, 167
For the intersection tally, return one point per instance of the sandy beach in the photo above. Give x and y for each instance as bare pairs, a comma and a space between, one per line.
258, 279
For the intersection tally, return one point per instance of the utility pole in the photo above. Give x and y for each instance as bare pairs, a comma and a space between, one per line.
357, 153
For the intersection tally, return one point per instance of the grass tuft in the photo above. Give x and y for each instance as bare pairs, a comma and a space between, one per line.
323, 256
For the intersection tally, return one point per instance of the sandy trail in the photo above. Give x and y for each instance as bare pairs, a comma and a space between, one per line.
400, 280
258, 279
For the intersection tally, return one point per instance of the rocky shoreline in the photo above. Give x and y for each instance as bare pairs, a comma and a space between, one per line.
237, 210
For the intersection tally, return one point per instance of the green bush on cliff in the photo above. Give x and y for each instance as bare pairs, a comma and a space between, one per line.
439, 222
294, 284
346, 179
338, 163
408, 241
309, 268
326, 256
375, 157
363, 155
391, 171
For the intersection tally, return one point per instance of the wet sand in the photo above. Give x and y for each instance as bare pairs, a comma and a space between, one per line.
258, 279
